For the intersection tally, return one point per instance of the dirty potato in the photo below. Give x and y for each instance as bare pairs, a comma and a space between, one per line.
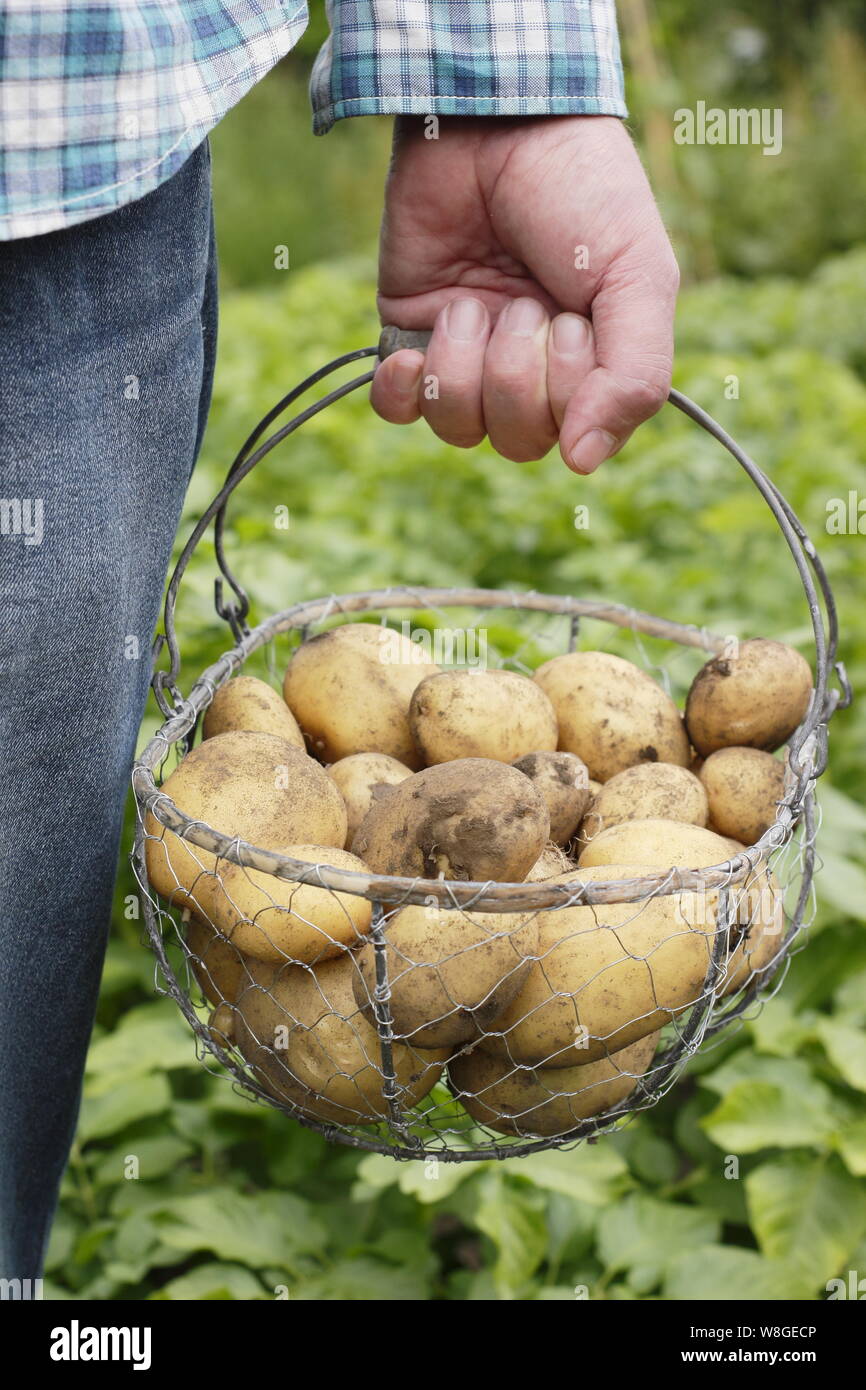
274, 919
363, 778
755, 903
744, 787
755, 699
607, 974
350, 689
563, 781
662, 844
545, 1101
248, 703
611, 714
658, 790
302, 1033
474, 819
253, 786
480, 714
449, 971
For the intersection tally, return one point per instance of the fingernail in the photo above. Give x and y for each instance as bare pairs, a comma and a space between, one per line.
524, 317
570, 333
465, 319
404, 377
591, 450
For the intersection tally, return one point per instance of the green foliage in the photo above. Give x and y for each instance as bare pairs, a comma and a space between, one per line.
276, 185
807, 1211
732, 208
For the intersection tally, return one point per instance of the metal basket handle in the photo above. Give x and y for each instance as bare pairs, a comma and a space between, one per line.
393, 339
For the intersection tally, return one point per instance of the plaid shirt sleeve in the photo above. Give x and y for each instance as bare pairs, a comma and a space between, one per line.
103, 100
468, 57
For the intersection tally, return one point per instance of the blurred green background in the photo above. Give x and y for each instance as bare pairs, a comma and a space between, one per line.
234, 1201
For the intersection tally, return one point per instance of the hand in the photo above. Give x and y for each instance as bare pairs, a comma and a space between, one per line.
481, 241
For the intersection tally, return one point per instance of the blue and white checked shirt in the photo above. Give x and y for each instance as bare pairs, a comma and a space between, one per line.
103, 100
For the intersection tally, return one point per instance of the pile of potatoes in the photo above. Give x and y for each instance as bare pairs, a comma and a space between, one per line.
374, 760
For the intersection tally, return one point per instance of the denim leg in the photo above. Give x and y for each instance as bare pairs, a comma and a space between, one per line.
107, 340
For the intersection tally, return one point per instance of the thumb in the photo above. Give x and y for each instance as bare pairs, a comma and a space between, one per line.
632, 317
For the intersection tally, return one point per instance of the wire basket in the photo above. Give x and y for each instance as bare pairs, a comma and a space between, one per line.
549, 1010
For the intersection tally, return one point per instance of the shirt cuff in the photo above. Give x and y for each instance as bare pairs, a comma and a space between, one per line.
468, 58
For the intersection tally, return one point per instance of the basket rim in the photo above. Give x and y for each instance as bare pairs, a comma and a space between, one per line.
451, 893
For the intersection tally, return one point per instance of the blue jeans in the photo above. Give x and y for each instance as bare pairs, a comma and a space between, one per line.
107, 340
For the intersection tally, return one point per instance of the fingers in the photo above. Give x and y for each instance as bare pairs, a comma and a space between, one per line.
395, 387
485, 379
528, 378
570, 359
482, 379
511, 381
632, 316
454, 369
517, 411
445, 384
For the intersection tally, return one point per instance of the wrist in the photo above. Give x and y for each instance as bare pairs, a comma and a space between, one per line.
488, 142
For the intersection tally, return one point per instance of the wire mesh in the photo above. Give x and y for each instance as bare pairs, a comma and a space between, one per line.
438, 1015
463, 1020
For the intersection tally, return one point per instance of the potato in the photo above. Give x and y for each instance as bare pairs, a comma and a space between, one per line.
221, 1025
247, 703
480, 714
589, 825
363, 778
744, 787
219, 967
308, 1044
255, 786
607, 974
755, 699
664, 791
759, 906
548, 1101
274, 919
587, 830
450, 972
612, 714
661, 844
551, 863
563, 781
473, 819
756, 903
350, 689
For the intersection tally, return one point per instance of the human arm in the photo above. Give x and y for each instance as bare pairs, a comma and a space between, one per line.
534, 206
